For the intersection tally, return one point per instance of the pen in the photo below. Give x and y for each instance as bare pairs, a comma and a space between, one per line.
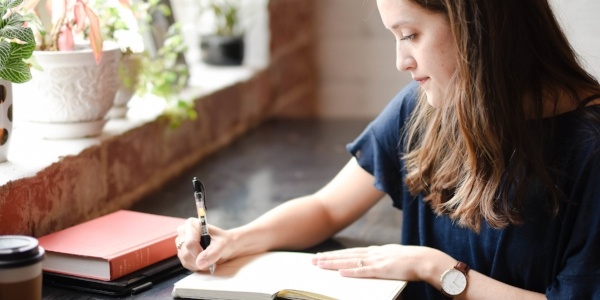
200, 197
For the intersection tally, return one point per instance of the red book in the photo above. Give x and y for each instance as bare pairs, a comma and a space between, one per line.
111, 246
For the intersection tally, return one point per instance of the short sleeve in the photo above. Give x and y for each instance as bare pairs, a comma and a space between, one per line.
378, 148
579, 274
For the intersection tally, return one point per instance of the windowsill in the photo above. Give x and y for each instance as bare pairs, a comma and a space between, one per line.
30, 154
48, 185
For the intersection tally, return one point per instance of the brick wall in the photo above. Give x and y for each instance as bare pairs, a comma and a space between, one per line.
293, 44
123, 168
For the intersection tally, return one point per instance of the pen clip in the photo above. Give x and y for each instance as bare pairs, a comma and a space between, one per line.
199, 192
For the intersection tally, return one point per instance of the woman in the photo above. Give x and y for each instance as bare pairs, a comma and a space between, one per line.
493, 154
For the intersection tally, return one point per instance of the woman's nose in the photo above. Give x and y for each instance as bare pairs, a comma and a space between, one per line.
404, 61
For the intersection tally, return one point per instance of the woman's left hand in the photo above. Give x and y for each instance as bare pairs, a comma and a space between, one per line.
389, 261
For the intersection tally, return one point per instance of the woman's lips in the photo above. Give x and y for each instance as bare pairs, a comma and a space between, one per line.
421, 80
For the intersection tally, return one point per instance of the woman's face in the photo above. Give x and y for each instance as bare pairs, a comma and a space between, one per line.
424, 45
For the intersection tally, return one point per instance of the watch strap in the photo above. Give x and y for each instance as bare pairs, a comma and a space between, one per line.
463, 267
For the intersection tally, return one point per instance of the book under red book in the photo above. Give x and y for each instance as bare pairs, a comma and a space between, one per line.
111, 246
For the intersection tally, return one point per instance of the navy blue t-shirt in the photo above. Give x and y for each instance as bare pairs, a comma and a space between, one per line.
558, 256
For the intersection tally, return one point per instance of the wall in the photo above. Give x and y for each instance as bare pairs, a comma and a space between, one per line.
293, 63
356, 58
581, 23
124, 164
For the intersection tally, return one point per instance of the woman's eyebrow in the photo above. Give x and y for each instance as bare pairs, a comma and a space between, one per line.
401, 23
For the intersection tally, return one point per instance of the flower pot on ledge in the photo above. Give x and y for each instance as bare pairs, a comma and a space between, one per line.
6, 103
222, 50
71, 96
129, 68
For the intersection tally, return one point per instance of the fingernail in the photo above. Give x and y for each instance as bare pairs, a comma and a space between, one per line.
202, 264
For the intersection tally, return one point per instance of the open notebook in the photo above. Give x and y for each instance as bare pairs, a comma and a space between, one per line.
285, 275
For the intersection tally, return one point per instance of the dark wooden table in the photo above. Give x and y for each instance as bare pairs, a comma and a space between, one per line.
279, 160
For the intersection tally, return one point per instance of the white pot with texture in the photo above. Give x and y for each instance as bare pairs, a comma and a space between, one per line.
71, 96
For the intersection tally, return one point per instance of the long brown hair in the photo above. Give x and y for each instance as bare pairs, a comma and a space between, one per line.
469, 155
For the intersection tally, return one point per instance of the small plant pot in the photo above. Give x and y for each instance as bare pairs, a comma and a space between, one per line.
6, 103
129, 68
222, 50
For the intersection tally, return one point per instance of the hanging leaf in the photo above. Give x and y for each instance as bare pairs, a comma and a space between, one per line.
95, 34
80, 16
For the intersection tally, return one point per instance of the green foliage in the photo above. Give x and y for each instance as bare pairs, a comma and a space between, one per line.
165, 76
226, 14
134, 18
111, 20
17, 42
161, 74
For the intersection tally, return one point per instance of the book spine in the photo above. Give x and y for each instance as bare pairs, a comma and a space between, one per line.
129, 262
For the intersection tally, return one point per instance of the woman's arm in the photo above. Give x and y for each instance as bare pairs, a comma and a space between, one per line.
304, 222
296, 224
415, 263
479, 286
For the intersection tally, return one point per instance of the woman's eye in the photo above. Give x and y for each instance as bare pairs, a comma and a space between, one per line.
409, 37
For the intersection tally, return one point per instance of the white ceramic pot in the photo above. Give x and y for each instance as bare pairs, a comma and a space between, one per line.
6, 103
71, 96
128, 69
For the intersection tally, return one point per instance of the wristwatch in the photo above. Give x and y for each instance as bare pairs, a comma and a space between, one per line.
454, 281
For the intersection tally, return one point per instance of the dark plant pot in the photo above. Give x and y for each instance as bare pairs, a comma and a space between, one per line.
222, 50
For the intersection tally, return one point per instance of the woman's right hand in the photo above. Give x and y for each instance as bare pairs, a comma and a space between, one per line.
191, 255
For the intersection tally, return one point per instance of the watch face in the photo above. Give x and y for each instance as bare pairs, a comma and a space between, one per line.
453, 282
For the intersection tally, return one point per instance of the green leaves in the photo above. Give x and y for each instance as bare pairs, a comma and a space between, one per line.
13, 67
16, 44
226, 16
164, 76
5, 5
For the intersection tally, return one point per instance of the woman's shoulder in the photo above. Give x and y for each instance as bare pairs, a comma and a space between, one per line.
576, 138
581, 127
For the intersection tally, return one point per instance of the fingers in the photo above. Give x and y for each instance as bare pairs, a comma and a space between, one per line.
189, 251
343, 263
353, 262
392, 261
188, 243
212, 253
341, 259
364, 272
190, 230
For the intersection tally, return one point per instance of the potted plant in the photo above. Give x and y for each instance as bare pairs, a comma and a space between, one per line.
16, 46
164, 75
224, 42
120, 22
152, 63
75, 85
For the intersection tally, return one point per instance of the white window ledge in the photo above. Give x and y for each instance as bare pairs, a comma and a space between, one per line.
29, 153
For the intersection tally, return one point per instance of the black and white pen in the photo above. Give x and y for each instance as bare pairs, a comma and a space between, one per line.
200, 197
